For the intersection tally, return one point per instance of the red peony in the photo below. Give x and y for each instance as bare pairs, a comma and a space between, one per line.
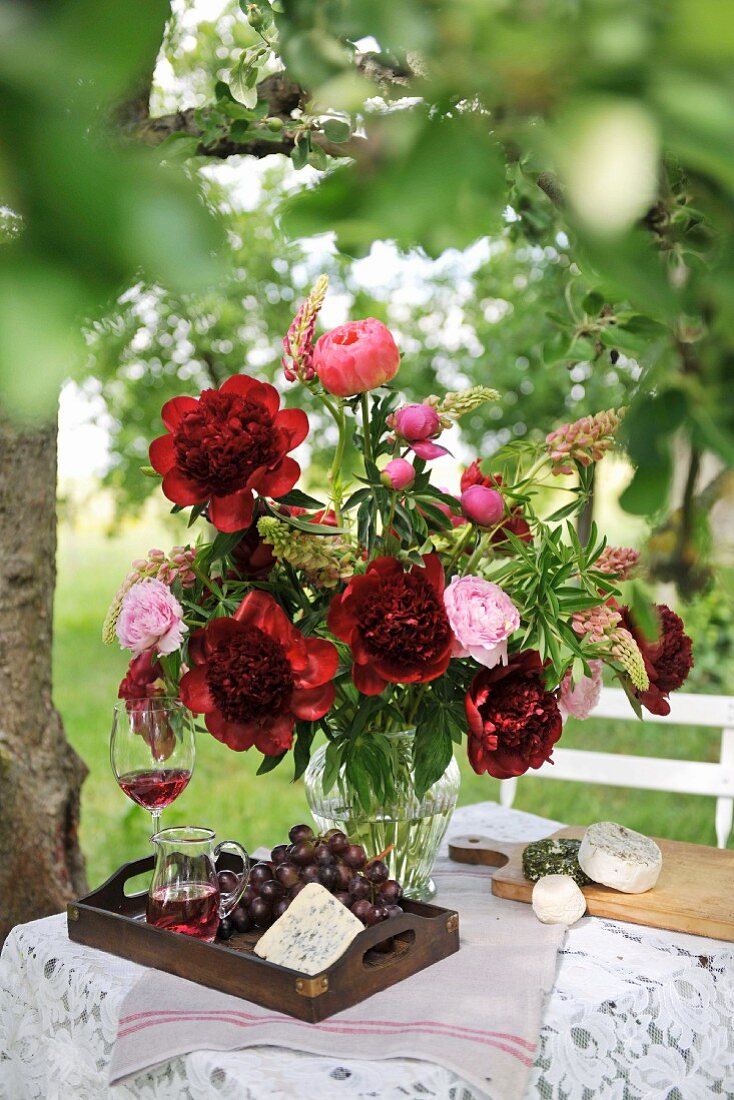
667, 660
395, 624
143, 678
226, 444
515, 522
255, 674
513, 721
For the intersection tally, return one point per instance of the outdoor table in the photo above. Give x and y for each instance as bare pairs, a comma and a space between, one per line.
635, 1013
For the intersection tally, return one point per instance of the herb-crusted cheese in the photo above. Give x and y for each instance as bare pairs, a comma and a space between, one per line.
620, 858
553, 857
313, 933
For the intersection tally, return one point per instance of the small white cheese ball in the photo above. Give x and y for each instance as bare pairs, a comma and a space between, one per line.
558, 900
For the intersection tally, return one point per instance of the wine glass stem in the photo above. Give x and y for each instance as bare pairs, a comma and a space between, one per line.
155, 816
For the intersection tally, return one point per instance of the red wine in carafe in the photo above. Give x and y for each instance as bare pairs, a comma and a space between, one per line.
190, 907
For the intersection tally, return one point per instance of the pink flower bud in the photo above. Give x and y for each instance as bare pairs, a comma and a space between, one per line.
482, 506
398, 474
356, 357
416, 422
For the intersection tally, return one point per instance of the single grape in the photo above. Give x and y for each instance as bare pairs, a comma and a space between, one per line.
225, 928
323, 854
373, 915
280, 907
287, 873
328, 877
259, 874
345, 875
241, 920
310, 873
302, 853
227, 881
261, 912
377, 872
393, 911
247, 896
361, 907
278, 853
338, 842
359, 887
390, 891
355, 856
300, 832
272, 891
344, 898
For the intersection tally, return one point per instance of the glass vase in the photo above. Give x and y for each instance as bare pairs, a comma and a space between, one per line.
414, 827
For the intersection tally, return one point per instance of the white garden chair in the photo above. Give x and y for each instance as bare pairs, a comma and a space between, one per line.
655, 773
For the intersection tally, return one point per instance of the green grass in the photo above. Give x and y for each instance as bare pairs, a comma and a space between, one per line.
225, 793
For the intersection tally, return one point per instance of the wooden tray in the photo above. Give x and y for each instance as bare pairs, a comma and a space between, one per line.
114, 921
695, 891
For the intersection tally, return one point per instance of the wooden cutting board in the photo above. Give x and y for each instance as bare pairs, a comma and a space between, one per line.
695, 891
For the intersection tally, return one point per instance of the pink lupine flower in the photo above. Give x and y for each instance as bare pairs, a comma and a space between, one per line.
298, 342
150, 618
596, 623
585, 441
617, 561
482, 617
579, 699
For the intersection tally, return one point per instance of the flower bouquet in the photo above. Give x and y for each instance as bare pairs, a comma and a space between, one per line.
384, 615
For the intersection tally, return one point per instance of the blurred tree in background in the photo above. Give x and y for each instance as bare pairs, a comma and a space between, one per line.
588, 146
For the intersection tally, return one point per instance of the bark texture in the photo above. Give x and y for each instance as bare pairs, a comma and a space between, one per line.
41, 865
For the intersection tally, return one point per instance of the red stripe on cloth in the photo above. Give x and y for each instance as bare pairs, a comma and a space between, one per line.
366, 1027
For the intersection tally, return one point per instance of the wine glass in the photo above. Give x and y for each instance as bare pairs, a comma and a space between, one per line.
152, 750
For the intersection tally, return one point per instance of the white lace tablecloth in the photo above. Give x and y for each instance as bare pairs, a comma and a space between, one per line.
636, 1014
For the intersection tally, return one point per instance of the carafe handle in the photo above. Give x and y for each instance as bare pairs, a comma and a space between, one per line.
228, 901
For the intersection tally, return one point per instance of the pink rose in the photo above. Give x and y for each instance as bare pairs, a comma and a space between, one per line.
398, 474
482, 617
579, 700
356, 357
482, 506
151, 618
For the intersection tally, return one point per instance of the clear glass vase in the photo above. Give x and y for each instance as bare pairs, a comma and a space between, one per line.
414, 828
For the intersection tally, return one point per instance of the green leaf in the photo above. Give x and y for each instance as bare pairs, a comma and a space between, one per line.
269, 763
301, 150
300, 500
433, 748
332, 764
335, 129
243, 82
643, 612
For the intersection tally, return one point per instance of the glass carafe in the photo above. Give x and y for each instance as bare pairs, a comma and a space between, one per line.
184, 894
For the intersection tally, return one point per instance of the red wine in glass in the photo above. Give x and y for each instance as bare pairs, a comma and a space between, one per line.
188, 907
152, 751
154, 790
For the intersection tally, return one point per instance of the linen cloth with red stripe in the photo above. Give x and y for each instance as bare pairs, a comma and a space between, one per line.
478, 1013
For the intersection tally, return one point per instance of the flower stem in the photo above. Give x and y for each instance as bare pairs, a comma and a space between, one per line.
365, 406
466, 535
335, 484
481, 549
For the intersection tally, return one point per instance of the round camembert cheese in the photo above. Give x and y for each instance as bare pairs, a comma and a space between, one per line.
558, 900
620, 858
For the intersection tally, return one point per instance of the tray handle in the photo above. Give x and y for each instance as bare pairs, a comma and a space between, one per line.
418, 931
111, 894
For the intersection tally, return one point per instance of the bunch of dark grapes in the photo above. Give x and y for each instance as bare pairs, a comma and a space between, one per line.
342, 868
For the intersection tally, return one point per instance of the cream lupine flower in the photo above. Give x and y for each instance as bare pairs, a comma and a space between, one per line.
601, 625
324, 560
457, 403
625, 650
585, 441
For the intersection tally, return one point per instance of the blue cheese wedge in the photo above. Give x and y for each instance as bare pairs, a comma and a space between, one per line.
313, 933
620, 858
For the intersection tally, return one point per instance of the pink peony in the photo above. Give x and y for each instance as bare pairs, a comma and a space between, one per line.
356, 357
578, 700
398, 474
482, 617
150, 618
415, 422
482, 505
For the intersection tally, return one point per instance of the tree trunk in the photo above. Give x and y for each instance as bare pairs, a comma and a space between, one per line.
41, 865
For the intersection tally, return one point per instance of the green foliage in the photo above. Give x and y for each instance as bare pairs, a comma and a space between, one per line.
94, 211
